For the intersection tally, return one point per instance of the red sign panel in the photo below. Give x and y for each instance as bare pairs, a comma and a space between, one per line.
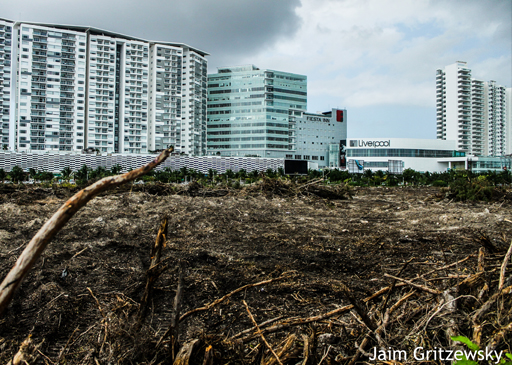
339, 115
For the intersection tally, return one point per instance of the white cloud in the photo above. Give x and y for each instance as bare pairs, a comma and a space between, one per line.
385, 52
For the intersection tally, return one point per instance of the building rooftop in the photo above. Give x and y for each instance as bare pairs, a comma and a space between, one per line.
99, 31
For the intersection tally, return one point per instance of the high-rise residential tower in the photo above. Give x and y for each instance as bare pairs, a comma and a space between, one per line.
70, 88
249, 109
7, 133
497, 119
472, 112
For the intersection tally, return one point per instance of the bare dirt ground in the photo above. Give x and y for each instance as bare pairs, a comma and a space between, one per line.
80, 301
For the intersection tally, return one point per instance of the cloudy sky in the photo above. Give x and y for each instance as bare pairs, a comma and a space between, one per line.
376, 58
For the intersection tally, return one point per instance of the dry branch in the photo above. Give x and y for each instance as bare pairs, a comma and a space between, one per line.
43, 237
358, 308
422, 287
504, 267
261, 334
220, 300
154, 271
300, 321
185, 353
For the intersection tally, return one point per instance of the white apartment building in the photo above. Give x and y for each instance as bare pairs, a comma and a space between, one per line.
472, 112
50, 88
7, 134
497, 119
165, 106
79, 87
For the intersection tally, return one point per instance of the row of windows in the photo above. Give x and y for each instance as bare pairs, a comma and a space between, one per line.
229, 91
401, 152
282, 97
244, 125
238, 146
491, 164
306, 157
247, 139
248, 131
229, 105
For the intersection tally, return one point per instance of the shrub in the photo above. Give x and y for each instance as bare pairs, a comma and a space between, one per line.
462, 190
440, 183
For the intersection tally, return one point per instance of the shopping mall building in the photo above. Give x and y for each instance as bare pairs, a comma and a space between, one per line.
433, 155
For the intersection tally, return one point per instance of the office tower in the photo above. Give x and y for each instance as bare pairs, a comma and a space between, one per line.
71, 88
472, 112
249, 108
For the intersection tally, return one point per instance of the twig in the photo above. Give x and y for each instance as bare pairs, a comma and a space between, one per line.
487, 305
263, 324
481, 255
289, 322
66, 345
443, 267
498, 337
154, 271
220, 300
173, 327
326, 353
36, 246
78, 253
380, 329
305, 351
504, 267
364, 316
261, 334
286, 347
393, 284
97, 302
422, 287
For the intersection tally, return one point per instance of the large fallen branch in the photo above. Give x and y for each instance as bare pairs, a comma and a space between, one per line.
39, 242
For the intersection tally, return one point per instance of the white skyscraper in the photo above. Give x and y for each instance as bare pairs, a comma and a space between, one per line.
71, 87
472, 112
497, 119
50, 88
7, 133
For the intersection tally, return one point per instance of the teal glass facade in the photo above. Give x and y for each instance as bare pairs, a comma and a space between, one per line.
248, 111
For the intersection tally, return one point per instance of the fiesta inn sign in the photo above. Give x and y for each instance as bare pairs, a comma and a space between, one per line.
374, 144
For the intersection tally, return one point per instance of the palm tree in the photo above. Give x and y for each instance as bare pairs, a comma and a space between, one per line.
116, 169
83, 174
17, 174
230, 174
242, 174
66, 173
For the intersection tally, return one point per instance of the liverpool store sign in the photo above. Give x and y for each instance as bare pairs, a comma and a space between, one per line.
373, 144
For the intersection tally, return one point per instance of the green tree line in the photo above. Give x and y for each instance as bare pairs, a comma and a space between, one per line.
408, 177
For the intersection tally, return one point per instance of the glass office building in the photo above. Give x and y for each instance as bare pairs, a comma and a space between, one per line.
249, 109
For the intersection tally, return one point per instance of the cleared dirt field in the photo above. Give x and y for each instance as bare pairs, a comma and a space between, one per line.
81, 299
